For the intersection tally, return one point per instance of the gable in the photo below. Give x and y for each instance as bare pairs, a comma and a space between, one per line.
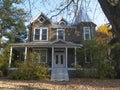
59, 42
62, 22
41, 19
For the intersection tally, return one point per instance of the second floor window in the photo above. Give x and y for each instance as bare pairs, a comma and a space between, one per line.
86, 32
41, 34
61, 34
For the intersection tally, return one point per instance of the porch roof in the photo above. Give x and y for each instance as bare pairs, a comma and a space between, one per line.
59, 43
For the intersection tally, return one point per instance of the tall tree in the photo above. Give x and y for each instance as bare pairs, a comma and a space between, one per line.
12, 20
111, 9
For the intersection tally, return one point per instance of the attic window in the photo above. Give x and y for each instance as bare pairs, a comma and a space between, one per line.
41, 19
62, 23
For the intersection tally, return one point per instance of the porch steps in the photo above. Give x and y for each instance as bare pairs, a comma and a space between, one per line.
59, 74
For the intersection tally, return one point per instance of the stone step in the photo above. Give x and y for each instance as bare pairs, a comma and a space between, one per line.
59, 74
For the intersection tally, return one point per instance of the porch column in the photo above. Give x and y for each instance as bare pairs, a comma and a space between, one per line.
25, 57
66, 57
10, 57
75, 56
52, 56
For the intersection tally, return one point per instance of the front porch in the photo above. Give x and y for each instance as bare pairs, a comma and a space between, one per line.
59, 54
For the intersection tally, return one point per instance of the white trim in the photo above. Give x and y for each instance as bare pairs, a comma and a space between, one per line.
42, 18
52, 56
86, 61
67, 69
66, 54
64, 23
25, 57
41, 30
46, 52
63, 34
10, 58
84, 32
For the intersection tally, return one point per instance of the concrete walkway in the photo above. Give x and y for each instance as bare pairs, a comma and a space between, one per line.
59, 74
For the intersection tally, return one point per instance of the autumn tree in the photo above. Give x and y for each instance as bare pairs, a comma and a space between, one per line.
104, 34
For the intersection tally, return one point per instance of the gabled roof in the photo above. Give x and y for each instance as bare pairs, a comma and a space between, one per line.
62, 19
41, 14
61, 42
57, 43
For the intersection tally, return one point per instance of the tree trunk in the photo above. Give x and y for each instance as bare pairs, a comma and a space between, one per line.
113, 15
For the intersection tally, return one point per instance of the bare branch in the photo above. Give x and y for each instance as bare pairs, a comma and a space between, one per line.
62, 9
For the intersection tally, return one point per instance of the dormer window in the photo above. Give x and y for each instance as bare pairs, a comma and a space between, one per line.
62, 23
86, 33
41, 19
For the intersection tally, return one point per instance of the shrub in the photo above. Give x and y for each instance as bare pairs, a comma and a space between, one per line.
106, 70
4, 55
30, 70
1, 73
85, 72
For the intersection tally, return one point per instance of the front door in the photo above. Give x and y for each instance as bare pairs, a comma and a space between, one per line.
59, 60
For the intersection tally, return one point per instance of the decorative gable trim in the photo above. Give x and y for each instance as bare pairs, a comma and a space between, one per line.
40, 15
61, 42
62, 22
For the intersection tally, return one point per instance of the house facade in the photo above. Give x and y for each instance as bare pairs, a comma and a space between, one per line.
55, 43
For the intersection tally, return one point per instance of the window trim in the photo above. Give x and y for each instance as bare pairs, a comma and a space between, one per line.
63, 34
64, 23
42, 18
46, 53
86, 61
84, 28
40, 38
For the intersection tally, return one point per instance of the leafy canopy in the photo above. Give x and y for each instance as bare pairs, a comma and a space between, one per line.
12, 20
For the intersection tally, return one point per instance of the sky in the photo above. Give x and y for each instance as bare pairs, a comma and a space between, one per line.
52, 7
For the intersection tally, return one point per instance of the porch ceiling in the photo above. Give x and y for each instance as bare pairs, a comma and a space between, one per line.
47, 44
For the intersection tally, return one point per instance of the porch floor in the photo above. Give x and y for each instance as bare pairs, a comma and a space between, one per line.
59, 74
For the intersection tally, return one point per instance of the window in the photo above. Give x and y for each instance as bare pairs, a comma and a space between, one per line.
37, 34
86, 31
42, 55
60, 34
61, 59
44, 34
41, 34
62, 23
41, 19
56, 59
88, 57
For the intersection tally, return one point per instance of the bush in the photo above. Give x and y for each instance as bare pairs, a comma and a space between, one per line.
1, 73
106, 70
4, 60
85, 72
30, 70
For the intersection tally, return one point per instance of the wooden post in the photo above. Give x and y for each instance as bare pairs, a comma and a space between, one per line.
25, 57
52, 56
66, 57
75, 56
10, 57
